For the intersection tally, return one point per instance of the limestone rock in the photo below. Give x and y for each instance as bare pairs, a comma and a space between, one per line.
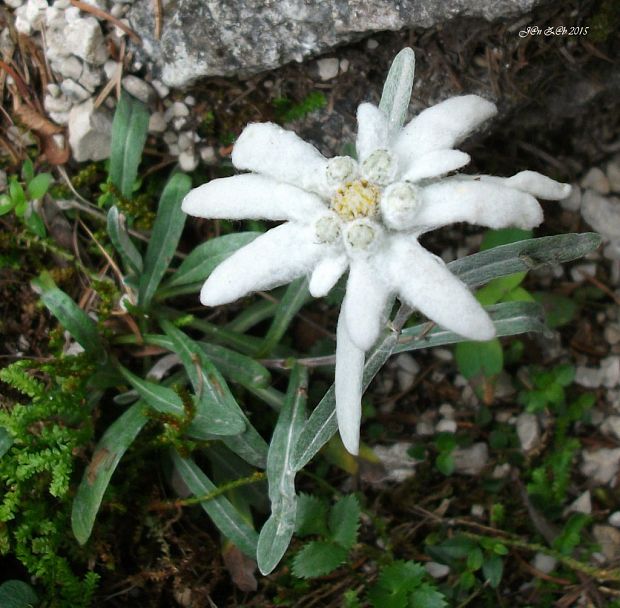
89, 132
230, 37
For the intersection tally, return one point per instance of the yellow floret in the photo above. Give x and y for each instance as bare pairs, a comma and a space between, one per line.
356, 199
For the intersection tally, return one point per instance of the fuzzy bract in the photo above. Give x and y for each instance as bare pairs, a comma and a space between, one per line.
366, 215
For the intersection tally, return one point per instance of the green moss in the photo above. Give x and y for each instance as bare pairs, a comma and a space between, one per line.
604, 22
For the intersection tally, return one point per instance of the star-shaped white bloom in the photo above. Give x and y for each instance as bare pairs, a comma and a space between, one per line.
365, 215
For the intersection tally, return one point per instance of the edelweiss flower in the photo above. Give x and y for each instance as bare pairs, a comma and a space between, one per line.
365, 215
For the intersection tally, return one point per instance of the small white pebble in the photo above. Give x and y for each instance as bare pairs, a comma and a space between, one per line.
344, 65
437, 570
371, 44
190, 100
188, 161
544, 563
477, 511
614, 519
328, 68
446, 410
446, 426
208, 155
595, 180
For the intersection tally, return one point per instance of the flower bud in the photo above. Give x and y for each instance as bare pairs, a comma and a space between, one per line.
400, 203
341, 169
327, 228
380, 167
361, 235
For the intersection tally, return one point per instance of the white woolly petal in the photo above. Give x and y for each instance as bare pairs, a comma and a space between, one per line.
349, 374
326, 274
251, 197
435, 163
477, 202
442, 126
534, 183
271, 150
274, 258
372, 130
423, 281
364, 304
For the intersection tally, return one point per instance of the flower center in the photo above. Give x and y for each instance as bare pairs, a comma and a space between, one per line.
356, 199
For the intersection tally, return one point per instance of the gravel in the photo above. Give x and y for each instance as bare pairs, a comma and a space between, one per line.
601, 465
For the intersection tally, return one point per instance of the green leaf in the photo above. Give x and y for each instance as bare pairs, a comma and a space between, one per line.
35, 224
457, 547
17, 594
427, 596
396, 581
160, 398
252, 315
344, 521
497, 289
480, 268
479, 358
475, 559
295, 296
559, 310
445, 463
226, 518
493, 569
277, 532
38, 186
6, 441
318, 558
16, 192
71, 316
238, 368
503, 236
396, 93
311, 516
214, 401
199, 264
129, 131
6, 204
27, 170
564, 374
509, 318
164, 238
119, 236
108, 453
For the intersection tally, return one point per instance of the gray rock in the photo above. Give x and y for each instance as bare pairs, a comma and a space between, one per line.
613, 173
89, 132
608, 538
328, 68
611, 426
589, 377
602, 213
208, 156
445, 425
436, 570
528, 431
581, 504
610, 371
544, 563
69, 67
230, 37
188, 161
407, 369
573, 202
396, 461
614, 519
83, 38
424, 428
596, 180
471, 460
157, 123
612, 333
56, 104
138, 88
601, 465
74, 90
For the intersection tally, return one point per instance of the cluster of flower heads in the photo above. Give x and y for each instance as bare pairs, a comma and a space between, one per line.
366, 215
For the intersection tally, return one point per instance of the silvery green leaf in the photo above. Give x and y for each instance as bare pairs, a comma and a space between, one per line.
165, 237
214, 401
197, 266
480, 268
110, 449
397, 90
129, 131
277, 532
295, 296
81, 327
252, 315
17, 594
226, 518
119, 236
509, 318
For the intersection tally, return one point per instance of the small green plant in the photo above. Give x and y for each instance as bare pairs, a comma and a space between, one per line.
336, 529
21, 195
547, 391
39, 439
288, 111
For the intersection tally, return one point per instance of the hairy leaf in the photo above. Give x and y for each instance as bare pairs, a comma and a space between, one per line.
119, 236
344, 521
227, 519
108, 453
318, 558
129, 131
396, 94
